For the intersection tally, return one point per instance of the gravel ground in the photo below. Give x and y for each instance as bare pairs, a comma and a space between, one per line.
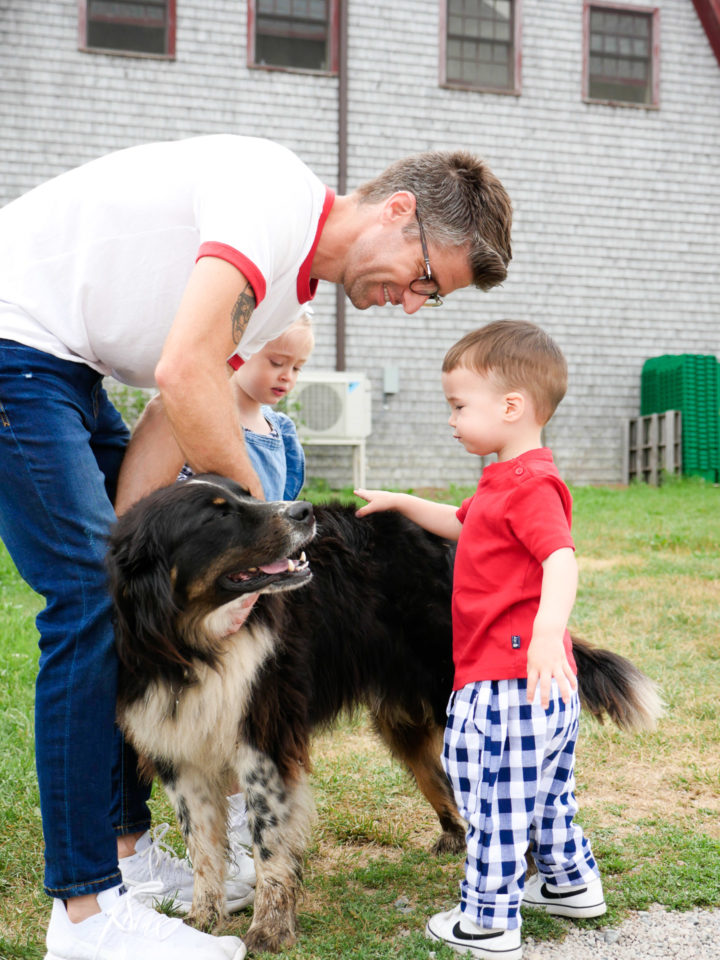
654, 934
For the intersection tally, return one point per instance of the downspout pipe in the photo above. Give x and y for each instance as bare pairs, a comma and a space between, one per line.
340, 302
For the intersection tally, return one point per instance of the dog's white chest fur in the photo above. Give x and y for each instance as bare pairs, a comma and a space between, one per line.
200, 721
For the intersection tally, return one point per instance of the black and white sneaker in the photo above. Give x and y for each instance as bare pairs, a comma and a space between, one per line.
581, 900
463, 936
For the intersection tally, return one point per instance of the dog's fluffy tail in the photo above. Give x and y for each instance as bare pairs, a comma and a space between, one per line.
611, 685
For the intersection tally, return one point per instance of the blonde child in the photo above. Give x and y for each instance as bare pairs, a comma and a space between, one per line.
513, 714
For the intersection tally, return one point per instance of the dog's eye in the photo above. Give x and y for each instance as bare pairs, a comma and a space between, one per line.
217, 513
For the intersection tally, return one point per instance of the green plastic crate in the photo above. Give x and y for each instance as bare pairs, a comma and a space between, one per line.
689, 383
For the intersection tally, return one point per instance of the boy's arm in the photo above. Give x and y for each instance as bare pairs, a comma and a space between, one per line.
546, 653
438, 518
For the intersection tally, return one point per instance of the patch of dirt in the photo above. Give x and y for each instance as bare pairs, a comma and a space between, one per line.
647, 789
642, 787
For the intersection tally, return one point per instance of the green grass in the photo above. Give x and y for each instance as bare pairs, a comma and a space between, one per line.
650, 564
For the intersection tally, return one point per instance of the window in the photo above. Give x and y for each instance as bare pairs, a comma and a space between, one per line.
482, 43
293, 34
125, 26
621, 54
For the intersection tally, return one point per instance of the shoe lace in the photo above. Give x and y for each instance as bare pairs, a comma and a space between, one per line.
163, 863
237, 828
238, 847
129, 915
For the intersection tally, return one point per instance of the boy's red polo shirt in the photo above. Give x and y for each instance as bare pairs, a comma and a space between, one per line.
520, 513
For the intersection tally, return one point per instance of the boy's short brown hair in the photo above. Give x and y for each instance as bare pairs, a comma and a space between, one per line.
520, 356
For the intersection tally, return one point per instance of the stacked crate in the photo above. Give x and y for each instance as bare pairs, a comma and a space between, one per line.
689, 383
652, 447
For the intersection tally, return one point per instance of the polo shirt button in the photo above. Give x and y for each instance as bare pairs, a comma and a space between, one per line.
519, 470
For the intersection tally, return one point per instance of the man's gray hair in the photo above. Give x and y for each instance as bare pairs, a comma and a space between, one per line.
461, 204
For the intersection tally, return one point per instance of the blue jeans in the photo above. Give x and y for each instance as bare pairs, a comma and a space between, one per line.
61, 446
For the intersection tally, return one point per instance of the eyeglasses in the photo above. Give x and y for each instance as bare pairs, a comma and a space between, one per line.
426, 286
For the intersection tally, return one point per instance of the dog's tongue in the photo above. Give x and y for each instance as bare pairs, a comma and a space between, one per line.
280, 566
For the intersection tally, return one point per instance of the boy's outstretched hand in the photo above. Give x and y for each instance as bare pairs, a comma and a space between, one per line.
438, 518
376, 500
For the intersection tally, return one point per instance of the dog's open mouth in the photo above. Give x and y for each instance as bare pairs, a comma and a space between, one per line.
279, 575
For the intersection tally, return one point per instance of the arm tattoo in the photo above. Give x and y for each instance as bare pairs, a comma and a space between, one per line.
241, 313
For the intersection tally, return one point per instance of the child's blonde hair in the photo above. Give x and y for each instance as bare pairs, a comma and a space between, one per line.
304, 321
519, 356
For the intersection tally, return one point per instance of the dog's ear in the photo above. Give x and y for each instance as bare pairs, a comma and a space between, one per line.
142, 590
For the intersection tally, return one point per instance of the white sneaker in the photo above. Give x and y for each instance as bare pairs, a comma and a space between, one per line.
459, 933
127, 930
580, 900
240, 861
156, 875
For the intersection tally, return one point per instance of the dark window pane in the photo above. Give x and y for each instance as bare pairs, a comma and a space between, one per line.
127, 10
127, 25
479, 41
292, 33
624, 72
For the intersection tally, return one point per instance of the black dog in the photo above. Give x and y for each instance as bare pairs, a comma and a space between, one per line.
206, 700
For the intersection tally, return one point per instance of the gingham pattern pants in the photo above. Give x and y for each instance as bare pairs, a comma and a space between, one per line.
511, 766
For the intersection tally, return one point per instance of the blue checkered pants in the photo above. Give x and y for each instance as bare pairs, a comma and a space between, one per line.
511, 766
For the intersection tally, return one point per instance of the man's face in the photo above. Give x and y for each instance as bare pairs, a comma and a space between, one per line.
383, 262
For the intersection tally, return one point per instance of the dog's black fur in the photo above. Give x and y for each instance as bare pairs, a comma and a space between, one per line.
206, 699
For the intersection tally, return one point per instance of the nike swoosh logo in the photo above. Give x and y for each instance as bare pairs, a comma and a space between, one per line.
551, 895
460, 934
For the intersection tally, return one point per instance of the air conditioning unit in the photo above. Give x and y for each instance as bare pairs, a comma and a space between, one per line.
331, 405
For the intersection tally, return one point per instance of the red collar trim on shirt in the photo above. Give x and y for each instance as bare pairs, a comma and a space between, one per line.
307, 285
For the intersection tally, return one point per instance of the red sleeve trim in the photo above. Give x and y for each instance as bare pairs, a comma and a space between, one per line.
236, 361
246, 267
307, 285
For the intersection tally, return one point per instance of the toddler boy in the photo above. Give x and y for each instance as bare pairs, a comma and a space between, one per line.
513, 715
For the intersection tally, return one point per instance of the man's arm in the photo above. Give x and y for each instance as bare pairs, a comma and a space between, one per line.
192, 374
152, 460
438, 518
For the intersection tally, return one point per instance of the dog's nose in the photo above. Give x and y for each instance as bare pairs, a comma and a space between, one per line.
302, 511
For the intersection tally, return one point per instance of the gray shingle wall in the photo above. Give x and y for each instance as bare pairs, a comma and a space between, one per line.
617, 210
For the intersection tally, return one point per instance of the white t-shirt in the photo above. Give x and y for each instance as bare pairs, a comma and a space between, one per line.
93, 263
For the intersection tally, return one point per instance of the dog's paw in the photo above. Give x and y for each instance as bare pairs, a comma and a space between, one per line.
450, 841
205, 918
264, 938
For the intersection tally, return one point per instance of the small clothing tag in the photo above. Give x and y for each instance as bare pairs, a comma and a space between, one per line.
515, 641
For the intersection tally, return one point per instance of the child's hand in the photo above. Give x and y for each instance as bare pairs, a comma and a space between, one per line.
547, 661
376, 500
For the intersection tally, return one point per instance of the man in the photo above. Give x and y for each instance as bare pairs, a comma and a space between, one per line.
161, 265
